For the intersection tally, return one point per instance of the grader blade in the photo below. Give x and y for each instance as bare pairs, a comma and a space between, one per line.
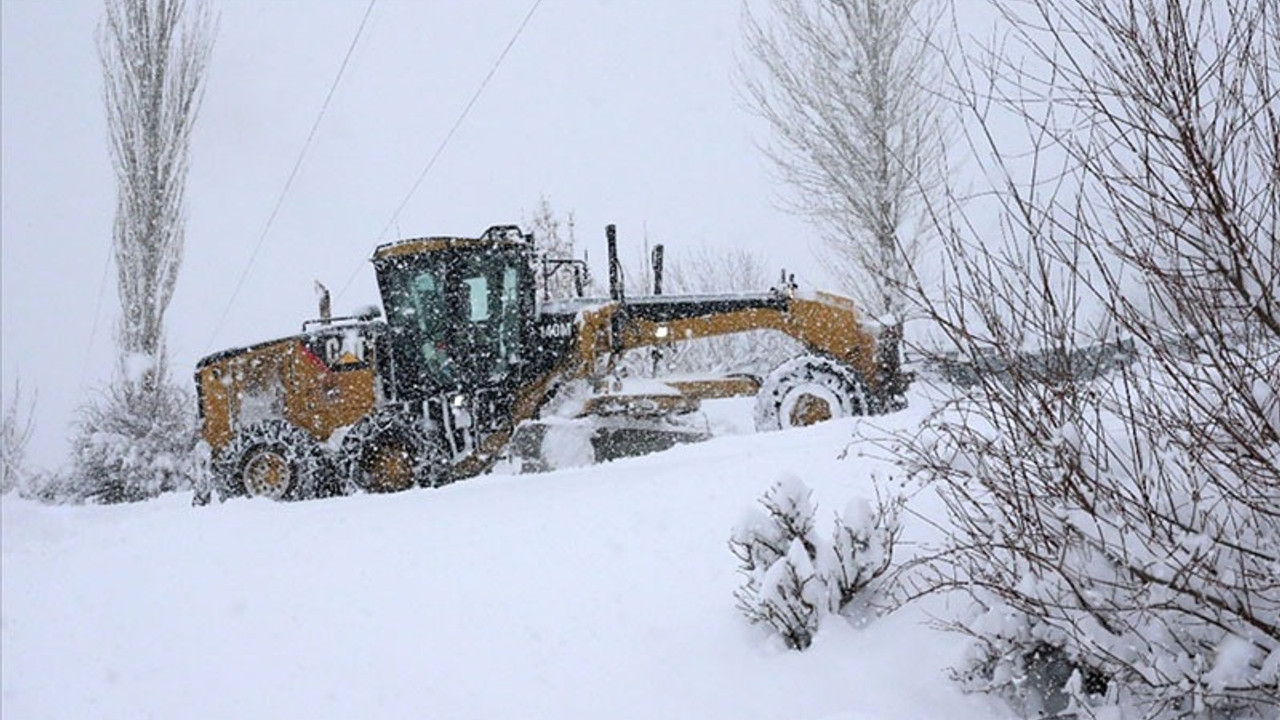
555, 444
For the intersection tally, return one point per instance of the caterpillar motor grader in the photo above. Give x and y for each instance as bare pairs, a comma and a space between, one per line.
453, 374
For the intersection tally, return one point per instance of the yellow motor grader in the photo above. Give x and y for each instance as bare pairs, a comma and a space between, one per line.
452, 375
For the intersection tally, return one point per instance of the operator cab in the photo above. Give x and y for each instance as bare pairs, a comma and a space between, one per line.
457, 310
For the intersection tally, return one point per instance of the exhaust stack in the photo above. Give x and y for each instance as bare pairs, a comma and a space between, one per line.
657, 269
326, 309
615, 268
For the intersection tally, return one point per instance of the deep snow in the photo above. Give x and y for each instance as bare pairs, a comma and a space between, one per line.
599, 592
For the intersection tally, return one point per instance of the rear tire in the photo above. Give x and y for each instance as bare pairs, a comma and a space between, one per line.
386, 452
272, 459
807, 390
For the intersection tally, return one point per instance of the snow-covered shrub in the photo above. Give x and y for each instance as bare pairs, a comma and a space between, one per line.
15, 432
794, 575
861, 550
1116, 531
132, 444
1026, 662
16, 474
776, 550
788, 597
1118, 534
56, 487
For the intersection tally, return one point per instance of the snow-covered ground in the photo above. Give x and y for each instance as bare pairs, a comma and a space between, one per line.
599, 592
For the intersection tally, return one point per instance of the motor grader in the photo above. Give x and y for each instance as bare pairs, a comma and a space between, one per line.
454, 373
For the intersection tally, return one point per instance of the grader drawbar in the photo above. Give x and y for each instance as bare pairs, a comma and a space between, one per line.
465, 366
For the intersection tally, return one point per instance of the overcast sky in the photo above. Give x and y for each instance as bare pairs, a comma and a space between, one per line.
622, 112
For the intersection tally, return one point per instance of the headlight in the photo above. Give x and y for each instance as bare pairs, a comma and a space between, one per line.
662, 332
459, 400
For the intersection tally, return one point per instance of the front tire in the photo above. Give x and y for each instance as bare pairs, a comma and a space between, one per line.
807, 390
386, 452
272, 459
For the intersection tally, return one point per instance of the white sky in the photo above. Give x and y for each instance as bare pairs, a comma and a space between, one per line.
622, 112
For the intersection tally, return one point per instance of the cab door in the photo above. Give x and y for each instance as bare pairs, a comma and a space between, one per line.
490, 319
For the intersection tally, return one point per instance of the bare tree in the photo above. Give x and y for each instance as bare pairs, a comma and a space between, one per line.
134, 439
153, 55
554, 240
849, 88
1119, 533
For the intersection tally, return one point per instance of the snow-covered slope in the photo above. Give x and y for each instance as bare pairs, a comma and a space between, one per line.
601, 592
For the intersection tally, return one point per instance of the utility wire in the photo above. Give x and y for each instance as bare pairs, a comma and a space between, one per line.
458, 123
275, 210
97, 314
449, 136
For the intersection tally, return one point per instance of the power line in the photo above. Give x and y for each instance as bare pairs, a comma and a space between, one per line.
97, 313
463, 116
448, 136
275, 210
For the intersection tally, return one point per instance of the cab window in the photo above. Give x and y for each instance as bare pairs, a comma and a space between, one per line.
477, 298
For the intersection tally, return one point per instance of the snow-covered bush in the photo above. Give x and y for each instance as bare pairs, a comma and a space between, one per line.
132, 445
16, 473
1119, 530
15, 432
862, 542
1040, 678
1118, 534
794, 575
50, 487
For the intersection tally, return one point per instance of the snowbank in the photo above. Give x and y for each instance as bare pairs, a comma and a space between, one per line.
601, 592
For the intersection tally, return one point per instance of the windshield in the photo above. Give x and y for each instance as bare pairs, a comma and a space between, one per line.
455, 316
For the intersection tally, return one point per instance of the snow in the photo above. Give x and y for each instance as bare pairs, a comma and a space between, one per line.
642, 386
1233, 664
136, 365
567, 445
597, 592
